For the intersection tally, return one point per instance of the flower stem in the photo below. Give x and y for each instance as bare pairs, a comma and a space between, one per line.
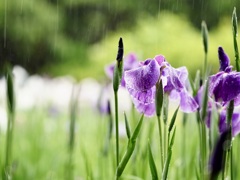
231, 162
165, 140
160, 136
116, 126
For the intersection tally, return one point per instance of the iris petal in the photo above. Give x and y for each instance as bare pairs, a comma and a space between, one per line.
143, 78
187, 102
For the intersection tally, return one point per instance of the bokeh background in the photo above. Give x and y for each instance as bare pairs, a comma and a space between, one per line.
79, 37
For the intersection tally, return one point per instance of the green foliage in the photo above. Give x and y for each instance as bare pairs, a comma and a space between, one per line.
54, 35
170, 35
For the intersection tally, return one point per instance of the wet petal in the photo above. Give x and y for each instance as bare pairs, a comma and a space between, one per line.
143, 96
176, 78
143, 78
214, 81
147, 109
227, 87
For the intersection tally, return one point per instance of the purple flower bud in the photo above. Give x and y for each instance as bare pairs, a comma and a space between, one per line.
223, 59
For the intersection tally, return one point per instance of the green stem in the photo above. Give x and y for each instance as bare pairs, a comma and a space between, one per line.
205, 66
116, 126
224, 164
201, 142
160, 136
204, 144
165, 140
184, 175
231, 162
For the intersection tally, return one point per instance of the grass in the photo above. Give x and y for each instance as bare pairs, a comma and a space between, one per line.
40, 147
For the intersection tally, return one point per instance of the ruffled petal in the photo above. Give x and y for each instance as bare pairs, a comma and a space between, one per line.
228, 87
147, 109
176, 78
145, 97
143, 78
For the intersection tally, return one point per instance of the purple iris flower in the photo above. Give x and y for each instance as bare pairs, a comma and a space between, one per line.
130, 62
141, 81
225, 85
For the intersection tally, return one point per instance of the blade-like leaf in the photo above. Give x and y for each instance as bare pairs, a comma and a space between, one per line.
205, 101
152, 163
169, 156
128, 130
173, 120
130, 149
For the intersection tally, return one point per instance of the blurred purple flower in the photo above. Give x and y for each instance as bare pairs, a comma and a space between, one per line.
129, 62
225, 85
141, 81
103, 104
235, 123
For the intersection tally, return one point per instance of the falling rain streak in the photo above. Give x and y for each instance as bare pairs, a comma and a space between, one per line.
5, 24
56, 28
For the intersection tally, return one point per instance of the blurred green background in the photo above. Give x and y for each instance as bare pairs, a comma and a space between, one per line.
79, 37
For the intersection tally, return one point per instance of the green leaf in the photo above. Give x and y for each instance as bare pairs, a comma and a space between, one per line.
128, 130
169, 156
205, 36
137, 129
152, 163
10, 91
173, 120
196, 83
235, 32
234, 22
130, 149
205, 101
165, 108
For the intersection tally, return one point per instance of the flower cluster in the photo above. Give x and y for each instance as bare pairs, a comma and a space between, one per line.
140, 80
